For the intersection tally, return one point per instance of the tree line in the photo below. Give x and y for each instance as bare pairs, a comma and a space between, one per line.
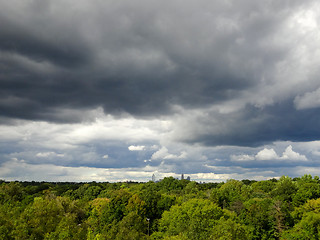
287, 208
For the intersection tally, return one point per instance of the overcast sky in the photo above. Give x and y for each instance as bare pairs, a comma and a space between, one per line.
108, 90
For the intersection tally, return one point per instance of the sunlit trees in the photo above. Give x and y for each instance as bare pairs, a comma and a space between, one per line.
193, 219
200, 219
308, 188
170, 209
307, 222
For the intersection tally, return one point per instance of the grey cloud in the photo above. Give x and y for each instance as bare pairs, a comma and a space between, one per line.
251, 126
36, 39
308, 100
146, 58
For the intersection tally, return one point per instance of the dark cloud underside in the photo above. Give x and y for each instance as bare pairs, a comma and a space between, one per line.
145, 58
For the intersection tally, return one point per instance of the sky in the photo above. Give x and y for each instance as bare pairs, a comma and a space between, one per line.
107, 90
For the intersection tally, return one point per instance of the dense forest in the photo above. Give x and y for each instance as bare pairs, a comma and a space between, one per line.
168, 209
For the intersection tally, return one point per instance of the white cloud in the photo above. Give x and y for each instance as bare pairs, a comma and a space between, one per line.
154, 147
17, 169
301, 170
105, 156
269, 154
44, 154
213, 177
292, 155
49, 154
136, 148
163, 153
244, 157
68, 136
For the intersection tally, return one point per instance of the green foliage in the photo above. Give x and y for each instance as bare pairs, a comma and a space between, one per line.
8, 212
308, 188
191, 188
151, 196
263, 188
230, 192
45, 216
116, 207
307, 218
256, 214
193, 219
12, 191
307, 228
285, 189
176, 209
170, 184
228, 228
86, 192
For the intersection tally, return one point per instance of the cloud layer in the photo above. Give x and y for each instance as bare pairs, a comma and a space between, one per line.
177, 85
270, 155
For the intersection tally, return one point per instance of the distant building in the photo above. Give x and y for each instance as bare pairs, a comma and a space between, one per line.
188, 178
153, 178
182, 176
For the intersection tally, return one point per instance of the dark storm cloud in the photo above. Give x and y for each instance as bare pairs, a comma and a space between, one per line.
145, 58
16, 39
252, 126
